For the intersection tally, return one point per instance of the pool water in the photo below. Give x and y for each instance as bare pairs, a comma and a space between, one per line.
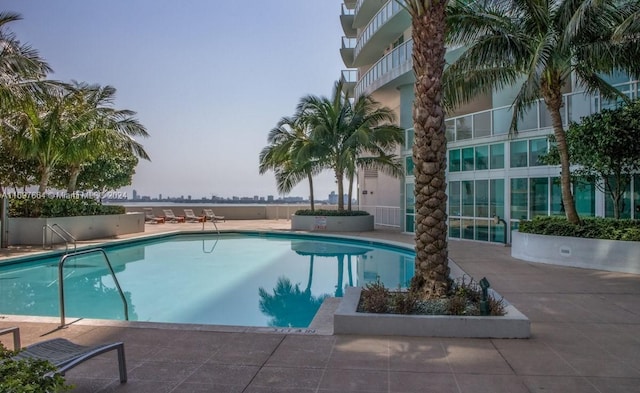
249, 279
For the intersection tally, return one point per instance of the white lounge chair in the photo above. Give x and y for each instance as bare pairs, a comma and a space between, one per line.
209, 215
64, 354
191, 216
149, 217
170, 217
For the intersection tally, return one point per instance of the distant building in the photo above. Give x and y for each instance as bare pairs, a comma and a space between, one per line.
135, 195
270, 198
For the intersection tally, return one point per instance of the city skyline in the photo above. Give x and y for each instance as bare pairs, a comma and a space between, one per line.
209, 82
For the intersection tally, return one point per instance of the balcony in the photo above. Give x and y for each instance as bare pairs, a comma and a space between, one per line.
396, 66
497, 121
346, 51
365, 10
349, 79
346, 20
385, 27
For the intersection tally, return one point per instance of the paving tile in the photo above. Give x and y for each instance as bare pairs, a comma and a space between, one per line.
355, 380
87, 385
189, 387
408, 382
162, 371
302, 351
475, 356
257, 389
353, 352
484, 383
559, 384
418, 354
286, 377
533, 358
616, 385
222, 374
139, 386
247, 349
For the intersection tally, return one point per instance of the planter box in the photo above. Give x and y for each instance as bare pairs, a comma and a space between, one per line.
347, 320
610, 255
28, 231
332, 223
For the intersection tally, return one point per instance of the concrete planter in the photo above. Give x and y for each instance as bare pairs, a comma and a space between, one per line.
28, 231
332, 223
610, 255
347, 320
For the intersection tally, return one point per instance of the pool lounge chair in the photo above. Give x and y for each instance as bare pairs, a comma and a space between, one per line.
191, 216
170, 217
209, 215
64, 354
150, 218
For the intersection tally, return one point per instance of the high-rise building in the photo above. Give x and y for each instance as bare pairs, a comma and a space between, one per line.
489, 173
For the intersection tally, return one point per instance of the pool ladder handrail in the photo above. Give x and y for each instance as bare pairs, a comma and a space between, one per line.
61, 281
213, 221
52, 228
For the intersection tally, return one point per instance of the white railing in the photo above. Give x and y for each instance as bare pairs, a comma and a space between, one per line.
398, 57
388, 11
388, 216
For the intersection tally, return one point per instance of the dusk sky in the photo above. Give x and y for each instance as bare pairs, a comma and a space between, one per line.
208, 79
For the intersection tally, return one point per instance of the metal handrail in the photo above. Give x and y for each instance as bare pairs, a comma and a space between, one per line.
61, 236
61, 281
213, 221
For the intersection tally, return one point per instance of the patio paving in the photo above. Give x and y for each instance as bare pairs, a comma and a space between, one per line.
585, 338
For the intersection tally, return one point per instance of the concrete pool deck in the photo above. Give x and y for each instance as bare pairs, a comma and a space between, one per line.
585, 337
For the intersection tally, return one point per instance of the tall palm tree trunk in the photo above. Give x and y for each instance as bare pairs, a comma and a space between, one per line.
339, 177
429, 152
311, 197
45, 173
553, 100
74, 172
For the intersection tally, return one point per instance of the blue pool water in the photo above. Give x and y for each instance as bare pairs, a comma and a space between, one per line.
246, 279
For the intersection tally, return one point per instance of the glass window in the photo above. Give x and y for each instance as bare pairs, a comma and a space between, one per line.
545, 117
496, 197
408, 139
454, 198
482, 230
450, 127
482, 157
497, 156
497, 232
409, 198
529, 121
467, 198
537, 148
482, 124
624, 206
518, 154
584, 194
463, 128
454, 228
579, 106
482, 198
557, 207
408, 164
467, 229
467, 159
454, 160
538, 196
519, 199
410, 224
502, 120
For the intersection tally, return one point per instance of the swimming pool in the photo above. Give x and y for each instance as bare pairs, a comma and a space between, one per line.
243, 279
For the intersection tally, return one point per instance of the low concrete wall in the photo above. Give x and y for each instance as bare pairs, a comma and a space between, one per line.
347, 320
231, 211
610, 255
332, 223
28, 231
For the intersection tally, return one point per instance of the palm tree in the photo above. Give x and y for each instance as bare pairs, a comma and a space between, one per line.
21, 67
538, 46
291, 155
430, 147
96, 126
349, 135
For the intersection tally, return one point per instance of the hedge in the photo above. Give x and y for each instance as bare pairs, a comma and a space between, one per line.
60, 207
590, 228
308, 212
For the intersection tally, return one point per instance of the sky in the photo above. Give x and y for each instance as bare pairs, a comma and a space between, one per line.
208, 79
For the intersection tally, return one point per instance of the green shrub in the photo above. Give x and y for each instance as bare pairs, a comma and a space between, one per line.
308, 212
28, 375
589, 228
60, 207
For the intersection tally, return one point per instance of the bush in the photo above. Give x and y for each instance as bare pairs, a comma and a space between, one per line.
60, 207
28, 375
589, 228
308, 212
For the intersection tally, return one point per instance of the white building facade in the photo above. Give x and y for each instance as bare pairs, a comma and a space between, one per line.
489, 172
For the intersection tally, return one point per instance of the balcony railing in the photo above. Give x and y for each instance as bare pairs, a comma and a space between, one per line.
390, 9
497, 121
398, 57
348, 43
347, 11
349, 76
